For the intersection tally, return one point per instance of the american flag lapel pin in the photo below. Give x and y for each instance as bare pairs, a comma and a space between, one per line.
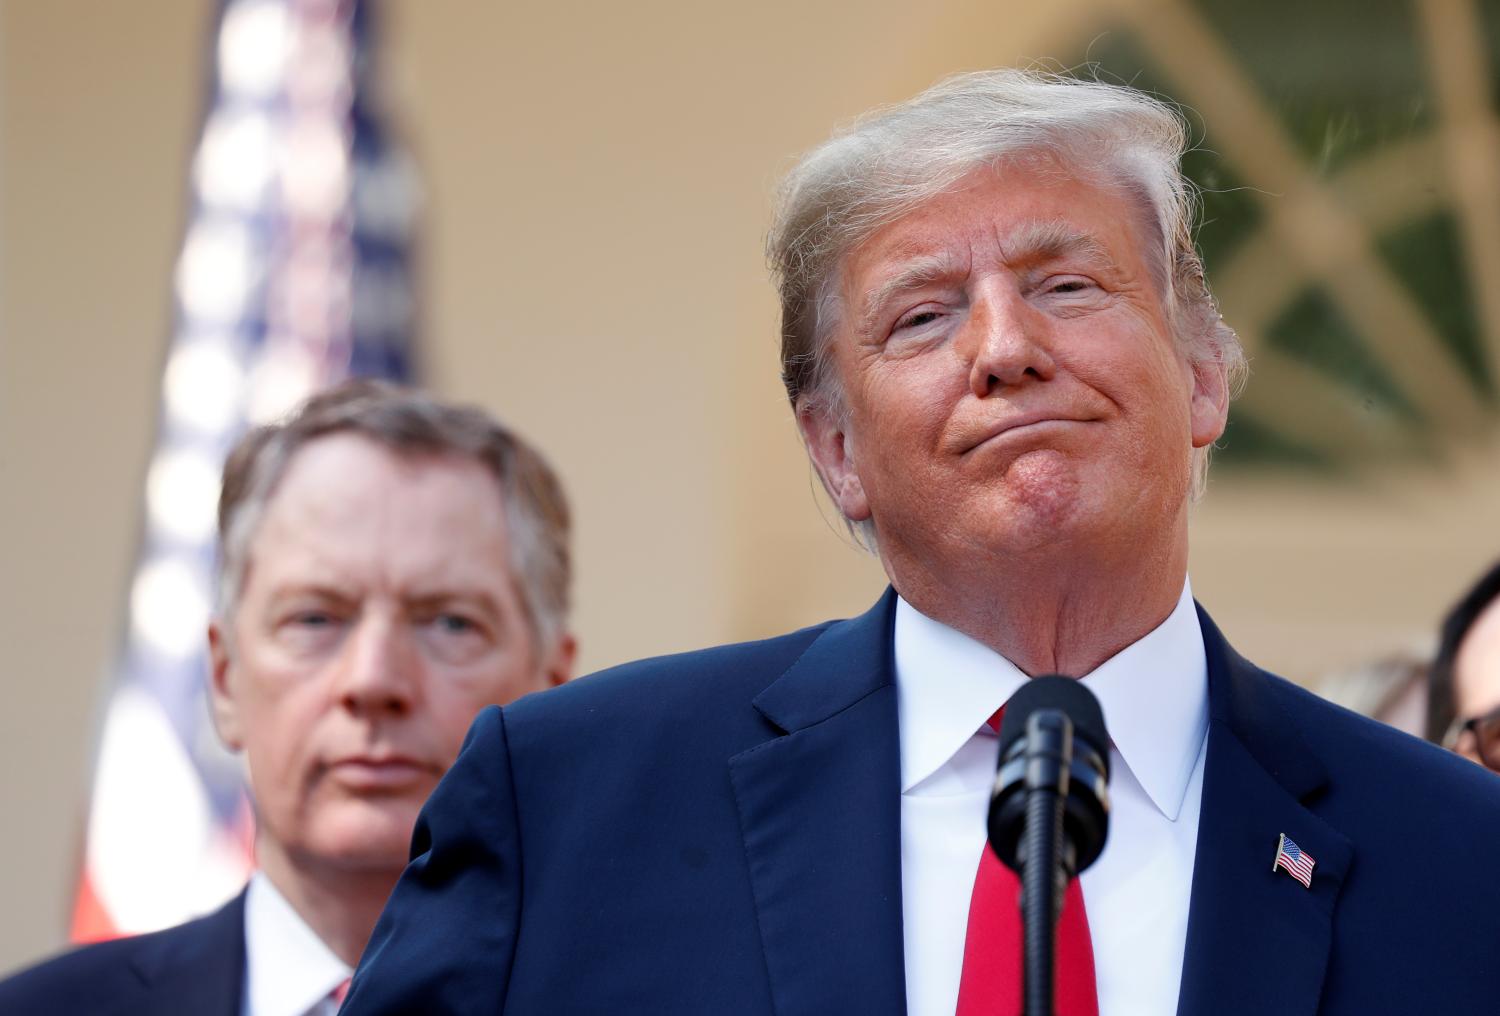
1293, 860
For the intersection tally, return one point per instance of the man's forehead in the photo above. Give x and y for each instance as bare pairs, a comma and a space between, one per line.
354, 473
1034, 240
356, 503
1478, 658
1030, 197
933, 248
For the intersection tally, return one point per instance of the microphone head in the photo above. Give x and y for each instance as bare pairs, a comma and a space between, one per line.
1068, 696
1038, 757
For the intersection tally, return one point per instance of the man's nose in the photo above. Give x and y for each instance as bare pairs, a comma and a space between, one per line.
1006, 342
378, 674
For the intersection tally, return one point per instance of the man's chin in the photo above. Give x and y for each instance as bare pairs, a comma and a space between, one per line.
371, 842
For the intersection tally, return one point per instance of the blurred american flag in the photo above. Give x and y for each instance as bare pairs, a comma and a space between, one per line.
294, 273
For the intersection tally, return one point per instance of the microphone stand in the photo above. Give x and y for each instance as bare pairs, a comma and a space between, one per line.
1049, 812
1045, 868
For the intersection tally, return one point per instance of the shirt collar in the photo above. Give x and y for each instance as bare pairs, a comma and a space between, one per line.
289, 969
1154, 695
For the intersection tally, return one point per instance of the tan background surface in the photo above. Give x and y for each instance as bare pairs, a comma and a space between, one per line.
598, 179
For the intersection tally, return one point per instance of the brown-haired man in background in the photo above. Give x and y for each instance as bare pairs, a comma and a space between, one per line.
390, 565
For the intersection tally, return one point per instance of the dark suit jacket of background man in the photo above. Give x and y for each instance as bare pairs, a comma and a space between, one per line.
197, 968
719, 832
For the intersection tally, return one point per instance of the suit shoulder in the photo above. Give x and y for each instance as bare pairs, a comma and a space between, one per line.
664, 711
108, 977
84, 977
1392, 764
677, 682
57, 979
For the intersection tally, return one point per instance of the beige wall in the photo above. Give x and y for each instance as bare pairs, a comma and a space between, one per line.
97, 107
598, 181
599, 186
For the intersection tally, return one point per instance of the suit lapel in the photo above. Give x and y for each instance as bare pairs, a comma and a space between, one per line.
820, 815
1257, 941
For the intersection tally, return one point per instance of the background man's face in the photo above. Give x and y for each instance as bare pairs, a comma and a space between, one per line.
1009, 372
378, 615
1476, 673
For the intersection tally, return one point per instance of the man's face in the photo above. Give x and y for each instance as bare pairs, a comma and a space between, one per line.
378, 614
1009, 375
1476, 674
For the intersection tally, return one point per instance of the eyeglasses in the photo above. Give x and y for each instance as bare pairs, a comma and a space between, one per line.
1477, 738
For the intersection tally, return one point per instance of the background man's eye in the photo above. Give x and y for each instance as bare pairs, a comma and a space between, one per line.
454, 623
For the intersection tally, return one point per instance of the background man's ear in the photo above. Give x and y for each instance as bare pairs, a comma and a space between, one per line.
558, 667
222, 687
832, 456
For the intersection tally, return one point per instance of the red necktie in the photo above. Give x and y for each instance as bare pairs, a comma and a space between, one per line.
991, 981
339, 993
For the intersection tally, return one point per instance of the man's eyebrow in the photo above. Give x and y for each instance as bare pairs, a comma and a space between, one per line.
318, 588
300, 590
465, 595
913, 274
1046, 241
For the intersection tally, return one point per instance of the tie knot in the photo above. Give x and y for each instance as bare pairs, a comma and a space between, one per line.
994, 721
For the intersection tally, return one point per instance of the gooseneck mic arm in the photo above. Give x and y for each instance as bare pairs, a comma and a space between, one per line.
1049, 811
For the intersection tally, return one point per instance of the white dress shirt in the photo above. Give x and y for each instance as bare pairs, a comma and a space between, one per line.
1154, 695
289, 971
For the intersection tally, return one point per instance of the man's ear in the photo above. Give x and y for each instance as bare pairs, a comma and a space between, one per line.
1209, 409
557, 668
222, 687
832, 454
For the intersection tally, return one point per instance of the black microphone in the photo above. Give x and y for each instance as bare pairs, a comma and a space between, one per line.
1049, 810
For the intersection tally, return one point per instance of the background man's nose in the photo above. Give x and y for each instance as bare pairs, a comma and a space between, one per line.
377, 673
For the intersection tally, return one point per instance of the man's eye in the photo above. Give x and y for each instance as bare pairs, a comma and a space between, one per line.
1069, 286
916, 320
454, 623
310, 628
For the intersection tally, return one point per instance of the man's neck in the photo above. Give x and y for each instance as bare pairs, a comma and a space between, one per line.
339, 905
1048, 614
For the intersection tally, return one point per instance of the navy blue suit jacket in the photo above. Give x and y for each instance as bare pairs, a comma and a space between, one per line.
719, 832
197, 968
